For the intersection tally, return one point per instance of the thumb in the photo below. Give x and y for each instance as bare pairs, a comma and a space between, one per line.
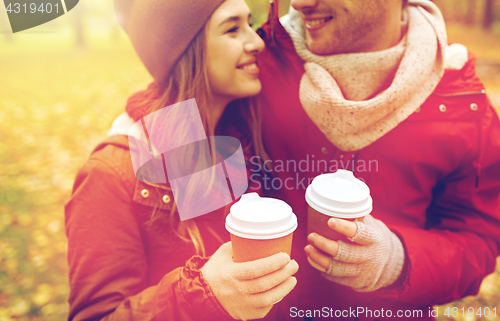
224, 253
226, 248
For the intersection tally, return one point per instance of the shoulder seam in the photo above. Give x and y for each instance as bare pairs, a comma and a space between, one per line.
118, 174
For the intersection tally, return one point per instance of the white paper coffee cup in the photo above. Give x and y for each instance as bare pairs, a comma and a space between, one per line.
339, 195
260, 227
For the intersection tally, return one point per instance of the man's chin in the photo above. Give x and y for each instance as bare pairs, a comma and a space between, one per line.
319, 48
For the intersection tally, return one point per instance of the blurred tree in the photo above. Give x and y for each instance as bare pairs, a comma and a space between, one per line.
441, 5
77, 20
5, 27
260, 10
284, 6
471, 12
488, 14
115, 32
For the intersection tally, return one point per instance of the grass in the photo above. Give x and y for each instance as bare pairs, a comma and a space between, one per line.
56, 104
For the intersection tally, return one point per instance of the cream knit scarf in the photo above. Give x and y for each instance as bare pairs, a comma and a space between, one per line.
337, 92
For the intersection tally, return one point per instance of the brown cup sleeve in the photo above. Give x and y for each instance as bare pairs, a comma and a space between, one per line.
249, 249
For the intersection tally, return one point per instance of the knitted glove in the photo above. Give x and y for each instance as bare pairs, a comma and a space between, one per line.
376, 261
249, 290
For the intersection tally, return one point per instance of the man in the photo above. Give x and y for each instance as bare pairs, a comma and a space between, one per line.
373, 87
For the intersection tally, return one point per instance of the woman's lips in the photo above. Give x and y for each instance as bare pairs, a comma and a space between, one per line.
250, 68
317, 23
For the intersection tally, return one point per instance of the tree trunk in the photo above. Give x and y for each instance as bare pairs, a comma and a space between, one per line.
5, 27
78, 25
488, 14
470, 15
8, 37
443, 7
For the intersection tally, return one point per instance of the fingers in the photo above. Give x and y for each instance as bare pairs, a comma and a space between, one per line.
271, 280
353, 253
272, 296
322, 262
315, 265
262, 303
341, 269
322, 243
369, 232
255, 269
344, 227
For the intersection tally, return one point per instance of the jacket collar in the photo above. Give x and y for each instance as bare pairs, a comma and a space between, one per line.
152, 195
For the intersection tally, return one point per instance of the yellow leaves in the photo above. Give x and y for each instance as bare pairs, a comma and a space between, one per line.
27, 282
42, 295
19, 308
24, 220
53, 226
51, 309
40, 237
490, 287
84, 121
60, 107
8, 258
487, 289
38, 260
5, 220
54, 109
7, 251
10, 265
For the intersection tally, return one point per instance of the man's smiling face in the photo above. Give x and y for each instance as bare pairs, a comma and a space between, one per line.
347, 26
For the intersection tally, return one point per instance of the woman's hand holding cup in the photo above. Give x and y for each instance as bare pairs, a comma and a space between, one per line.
253, 272
248, 290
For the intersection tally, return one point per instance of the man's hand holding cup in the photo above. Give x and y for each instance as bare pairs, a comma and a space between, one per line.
347, 244
372, 260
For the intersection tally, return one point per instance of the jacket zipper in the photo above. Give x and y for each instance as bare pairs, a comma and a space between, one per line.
463, 93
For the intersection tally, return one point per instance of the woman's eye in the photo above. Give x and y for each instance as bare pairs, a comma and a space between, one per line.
232, 30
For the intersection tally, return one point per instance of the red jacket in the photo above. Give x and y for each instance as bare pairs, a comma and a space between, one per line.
434, 179
118, 266
122, 267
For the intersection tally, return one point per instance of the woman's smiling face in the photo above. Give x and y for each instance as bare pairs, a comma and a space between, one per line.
232, 49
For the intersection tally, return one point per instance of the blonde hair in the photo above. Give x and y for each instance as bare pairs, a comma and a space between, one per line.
189, 79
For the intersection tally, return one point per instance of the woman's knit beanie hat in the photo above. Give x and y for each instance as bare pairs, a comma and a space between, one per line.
161, 30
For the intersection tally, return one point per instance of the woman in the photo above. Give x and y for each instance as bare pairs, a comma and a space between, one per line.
127, 248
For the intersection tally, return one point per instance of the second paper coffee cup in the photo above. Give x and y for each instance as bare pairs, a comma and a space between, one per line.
339, 195
260, 227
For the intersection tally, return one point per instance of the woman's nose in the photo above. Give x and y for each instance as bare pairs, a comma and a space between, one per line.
301, 4
255, 44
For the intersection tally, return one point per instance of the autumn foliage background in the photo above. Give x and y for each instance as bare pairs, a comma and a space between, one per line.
62, 84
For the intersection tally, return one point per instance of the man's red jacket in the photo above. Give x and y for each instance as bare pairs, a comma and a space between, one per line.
434, 180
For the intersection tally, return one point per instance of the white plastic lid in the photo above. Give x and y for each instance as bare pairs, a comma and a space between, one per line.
260, 218
339, 194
